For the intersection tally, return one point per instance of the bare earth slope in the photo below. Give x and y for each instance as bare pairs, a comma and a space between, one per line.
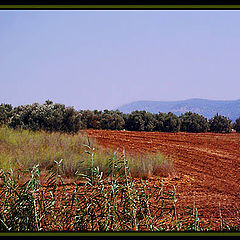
207, 166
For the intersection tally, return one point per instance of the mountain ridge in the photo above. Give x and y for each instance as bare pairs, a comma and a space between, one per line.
206, 107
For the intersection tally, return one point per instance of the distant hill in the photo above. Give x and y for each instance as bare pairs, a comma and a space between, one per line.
205, 107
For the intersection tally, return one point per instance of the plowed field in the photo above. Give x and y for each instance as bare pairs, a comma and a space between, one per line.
207, 167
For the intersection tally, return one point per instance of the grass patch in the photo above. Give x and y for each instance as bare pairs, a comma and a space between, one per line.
22, 149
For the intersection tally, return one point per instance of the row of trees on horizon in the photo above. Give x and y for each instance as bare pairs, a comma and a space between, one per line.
57, 117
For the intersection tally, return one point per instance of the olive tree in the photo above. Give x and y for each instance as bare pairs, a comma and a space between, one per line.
193, 122
236, 125
220, 124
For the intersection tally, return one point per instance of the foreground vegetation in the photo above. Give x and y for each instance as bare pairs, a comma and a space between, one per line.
115, 203
104, 194
59, 118
21, 149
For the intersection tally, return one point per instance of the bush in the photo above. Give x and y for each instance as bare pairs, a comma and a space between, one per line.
135, 122
159, 121
5, 113
71, 121
193, 122
236, 125
112, 121
149, 121
90, 119
171, 123
220, 124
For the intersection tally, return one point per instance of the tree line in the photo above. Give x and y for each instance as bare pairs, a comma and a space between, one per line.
57, 117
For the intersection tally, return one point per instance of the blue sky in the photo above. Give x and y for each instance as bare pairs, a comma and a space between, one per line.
104, 59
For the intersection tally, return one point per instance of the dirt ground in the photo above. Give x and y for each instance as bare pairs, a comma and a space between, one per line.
207, 167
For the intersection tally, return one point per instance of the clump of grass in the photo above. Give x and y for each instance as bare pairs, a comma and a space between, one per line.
150, 164
19, 211
21, 149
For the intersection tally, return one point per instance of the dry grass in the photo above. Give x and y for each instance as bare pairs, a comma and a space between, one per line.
21, 149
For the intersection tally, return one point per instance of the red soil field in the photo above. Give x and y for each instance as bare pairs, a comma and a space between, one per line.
207, 167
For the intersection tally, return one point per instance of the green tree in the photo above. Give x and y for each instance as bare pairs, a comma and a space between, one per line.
90, 120
5, 113
193, 122
107, 121
236, 125
135, 122
172, 123
111, 120
220, 124
49, 117
159, 121
71, 120
149, 121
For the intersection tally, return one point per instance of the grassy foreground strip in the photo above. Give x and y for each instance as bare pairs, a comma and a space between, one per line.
114, 203
21, 149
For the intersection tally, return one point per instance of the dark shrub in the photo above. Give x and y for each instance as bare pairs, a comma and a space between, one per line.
193, 122
220, 124
90, 120
135, 122
236, 125
5, 113
172, 123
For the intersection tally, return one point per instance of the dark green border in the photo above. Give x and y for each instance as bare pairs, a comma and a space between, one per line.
119, 7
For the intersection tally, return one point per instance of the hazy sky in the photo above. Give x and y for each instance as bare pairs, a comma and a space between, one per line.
103, 59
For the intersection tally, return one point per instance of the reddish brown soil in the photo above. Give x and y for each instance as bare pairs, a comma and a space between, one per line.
207, 166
